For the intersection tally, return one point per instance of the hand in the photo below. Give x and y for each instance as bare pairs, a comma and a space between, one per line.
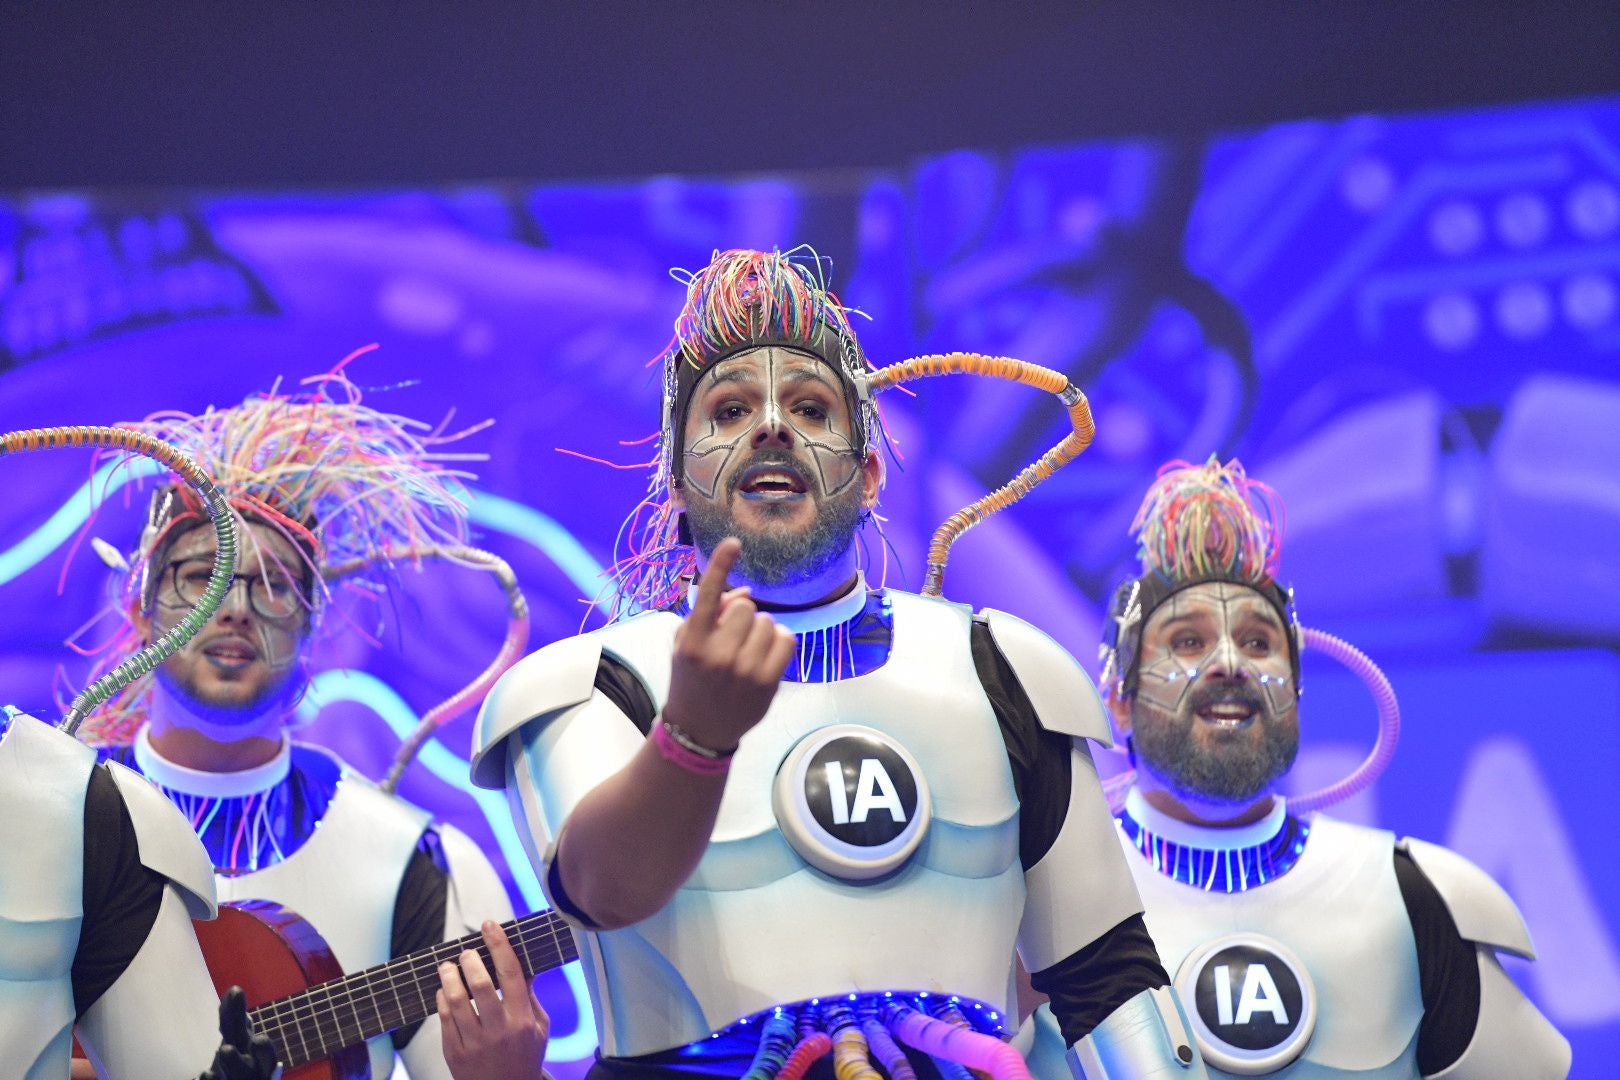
242, 1055
491, 1034
729, 659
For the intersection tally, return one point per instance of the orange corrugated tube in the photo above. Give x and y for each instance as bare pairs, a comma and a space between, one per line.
995, 367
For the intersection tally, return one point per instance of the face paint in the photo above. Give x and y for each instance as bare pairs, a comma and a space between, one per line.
1215, 715
777, 397
242, 665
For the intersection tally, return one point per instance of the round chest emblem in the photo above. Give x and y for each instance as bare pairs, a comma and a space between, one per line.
851, 801
1251, 1002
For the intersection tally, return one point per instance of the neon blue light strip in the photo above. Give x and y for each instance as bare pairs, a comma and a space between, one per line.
59, 528
543, 532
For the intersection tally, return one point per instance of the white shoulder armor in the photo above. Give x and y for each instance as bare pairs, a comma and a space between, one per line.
1064, 697
168, 846
475, 890
558, 676
1482, 909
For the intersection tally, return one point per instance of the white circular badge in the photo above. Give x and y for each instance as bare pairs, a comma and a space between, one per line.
851, 801
1251, 1002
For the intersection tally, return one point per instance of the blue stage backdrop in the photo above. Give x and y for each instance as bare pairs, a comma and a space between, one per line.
1410, 326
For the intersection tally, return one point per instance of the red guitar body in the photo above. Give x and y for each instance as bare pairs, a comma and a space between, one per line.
270, 953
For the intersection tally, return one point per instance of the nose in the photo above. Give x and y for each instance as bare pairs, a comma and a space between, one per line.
772, 429
1225, 663
235, 604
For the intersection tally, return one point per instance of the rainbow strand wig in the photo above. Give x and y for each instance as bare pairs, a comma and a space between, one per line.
354, 490
1197, 524
741, 300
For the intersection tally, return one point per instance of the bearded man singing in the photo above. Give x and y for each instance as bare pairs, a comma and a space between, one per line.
790, 814
1301, 947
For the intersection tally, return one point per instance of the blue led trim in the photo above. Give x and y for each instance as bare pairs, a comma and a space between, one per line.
1229, 870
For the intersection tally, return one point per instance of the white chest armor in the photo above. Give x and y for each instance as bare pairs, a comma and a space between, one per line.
345, 880
1340, 912
43, 778
756, 925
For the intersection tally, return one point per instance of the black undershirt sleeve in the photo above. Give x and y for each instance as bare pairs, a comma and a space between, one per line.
1039, 758
1088, 985
121, 896
1448, 971
419, 907
620, 685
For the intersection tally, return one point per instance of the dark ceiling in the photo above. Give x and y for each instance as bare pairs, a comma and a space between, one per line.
353, 93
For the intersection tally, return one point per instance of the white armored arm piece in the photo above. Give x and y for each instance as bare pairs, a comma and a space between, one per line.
1511, 1037
159, 1020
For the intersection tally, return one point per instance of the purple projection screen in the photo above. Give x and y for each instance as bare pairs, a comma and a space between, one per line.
1409, 326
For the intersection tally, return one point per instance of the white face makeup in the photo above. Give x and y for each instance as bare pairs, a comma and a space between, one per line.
1214, 717
1214, 630
243, 658
769, 397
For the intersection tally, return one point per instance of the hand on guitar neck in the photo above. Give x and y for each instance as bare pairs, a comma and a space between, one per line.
485, 1033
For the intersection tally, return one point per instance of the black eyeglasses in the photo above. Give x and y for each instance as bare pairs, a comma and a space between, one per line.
273, 594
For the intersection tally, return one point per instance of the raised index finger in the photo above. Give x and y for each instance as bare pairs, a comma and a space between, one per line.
712, 585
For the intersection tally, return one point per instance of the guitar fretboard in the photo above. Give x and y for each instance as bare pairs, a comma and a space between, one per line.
317, 1023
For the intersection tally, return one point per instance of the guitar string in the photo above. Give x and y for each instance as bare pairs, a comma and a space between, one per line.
534, 932
325, 1036
297, 1009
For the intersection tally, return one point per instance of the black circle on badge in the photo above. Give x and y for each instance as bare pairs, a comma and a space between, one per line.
860, 790
1252, 1003
852, 802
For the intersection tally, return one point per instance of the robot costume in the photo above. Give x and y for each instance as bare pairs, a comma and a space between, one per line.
309, 834
155, 1017
877, 855
1307, 949
353, 492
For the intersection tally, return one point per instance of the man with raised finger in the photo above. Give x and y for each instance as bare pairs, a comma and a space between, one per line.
802, 816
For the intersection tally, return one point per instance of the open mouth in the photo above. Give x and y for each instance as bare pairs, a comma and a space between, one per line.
772, 482
1228, 715
230, 653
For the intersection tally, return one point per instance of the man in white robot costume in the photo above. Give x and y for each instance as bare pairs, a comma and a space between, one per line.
1301, 946
800, 822
327, 493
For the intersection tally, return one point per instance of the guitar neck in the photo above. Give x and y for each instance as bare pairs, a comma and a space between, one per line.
316, 1023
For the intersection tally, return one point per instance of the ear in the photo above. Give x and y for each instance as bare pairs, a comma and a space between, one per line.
677, 496
872, 477
1119, 705
142, 621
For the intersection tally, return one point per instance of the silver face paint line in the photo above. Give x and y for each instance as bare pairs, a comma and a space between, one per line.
709, 458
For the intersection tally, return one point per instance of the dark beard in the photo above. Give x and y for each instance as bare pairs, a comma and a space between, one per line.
1237, 773
778, 557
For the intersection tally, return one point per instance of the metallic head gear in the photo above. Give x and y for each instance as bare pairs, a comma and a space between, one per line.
1197, 524
746, 300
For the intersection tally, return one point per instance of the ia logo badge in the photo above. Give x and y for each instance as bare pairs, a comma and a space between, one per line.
851, 801
1251, 1002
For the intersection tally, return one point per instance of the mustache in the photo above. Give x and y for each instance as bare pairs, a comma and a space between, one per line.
1202, 697
780, 459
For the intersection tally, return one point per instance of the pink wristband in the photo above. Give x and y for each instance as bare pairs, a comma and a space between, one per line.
690, 760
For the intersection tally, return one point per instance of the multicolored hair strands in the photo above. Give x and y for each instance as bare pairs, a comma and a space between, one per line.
1201, 521
119, 674
342, 482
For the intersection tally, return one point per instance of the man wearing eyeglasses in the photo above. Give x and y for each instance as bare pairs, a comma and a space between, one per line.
316, 481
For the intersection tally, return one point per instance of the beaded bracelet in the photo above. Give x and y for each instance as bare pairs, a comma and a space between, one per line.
682, 752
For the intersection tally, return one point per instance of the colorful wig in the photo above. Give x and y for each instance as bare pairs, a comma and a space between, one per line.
741, 300
346, 485
1197, 523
